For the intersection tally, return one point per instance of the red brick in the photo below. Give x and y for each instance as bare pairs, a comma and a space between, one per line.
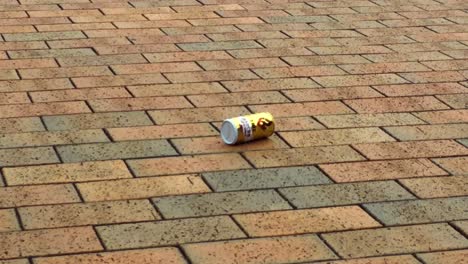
301, 71
34, 85
210, 76
176, 89
17, 29
305, 95
165, 131
169, 39
415, 149
188, 164
272, 84
369, 120
107, 33
20, 110
241, 63
49, 241
174, 16
400, 104
407, 259
381, 170
329, 59
101, 60
229, 36
225, 21
303, 109
187, 56
142, 256
412, 56
152, 24
197, 114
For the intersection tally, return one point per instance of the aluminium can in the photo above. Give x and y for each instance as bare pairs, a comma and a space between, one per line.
247, 128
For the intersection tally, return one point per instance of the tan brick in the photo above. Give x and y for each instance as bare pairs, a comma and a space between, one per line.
294, 43
143, 103
369, 120
187, 56
37, 195
438, 186
44, 36
71, 27
381, 170
150, 68
79, 94
227, 75
395, 240
128, 24
164, 131
415, 22
301, 71
175, 16
412, 56
322, 33
350, 50
444, 117
302, 156
329, 59
17, 29
50, 241
305, 95
428, 46
121, 80
208, 8
445, 131
35, 85
70, 172
215, 144
400, 104
298, 221
456, 165
303, 109
272, 84
420, 89
230, 36
428, 77
261, 250
108, 33
416, 149
179, 116
34, 21
27, 63
407, 259
291, 124
176, 89
225, 21
124, 49
125, 189
64, 72
335, 137
455, 256
450, 65
142, 256
457, 101
64, 13
15, 261
228, 99
272, 52
52, 53
188, 164
14, 98
356, 80
117, 10
63, 44
8, 75
22, 110
8, 221
107, 18
66, 215
241, 63
384, 67
17, 125
101, 60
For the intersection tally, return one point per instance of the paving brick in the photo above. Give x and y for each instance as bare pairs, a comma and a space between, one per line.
174, 16
8, 221
24, 110
34, 21
303, 109
462, 225
420, 89
17, 29
8, 75
428, 46
395, 240
27, 156
265, 178
444, 257
15, 261
46, 242
323, 70
179, 116
130, 79
296, 123
96, 120
220, 203
125, 189
350, 50
306, 42
225, 21
456, 165
420, 211
286, 249
232, 36
35, 85
188, 164
345, 194
377, 260
44, 36
52, 216
79, 94
176, 89
381, 170
384, 67
26, 63
305, 95
241, 63
274, 27
416, 149
144, 256
150, 68
64, 72
37, 195
64, 13
187, 56
198, 39
457, 101
265, 53
449, 131
438, 186
335, 137
302, 156
400, 104
371, 79
369, 120
444, 117
447, 65
298, 221
228, 45
402, 57
428, 77
164, 131
168, 232
62, 173
73, 27
17, 125
271, 84
115, 150
14, 98
78, 43
101, 60
228, 99
53, 53
329, 59
135, 104
125, 49
209, 76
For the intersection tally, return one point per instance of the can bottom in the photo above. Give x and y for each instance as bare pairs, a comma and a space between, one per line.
229, 132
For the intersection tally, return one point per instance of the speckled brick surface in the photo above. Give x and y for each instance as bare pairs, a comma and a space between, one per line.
110, 113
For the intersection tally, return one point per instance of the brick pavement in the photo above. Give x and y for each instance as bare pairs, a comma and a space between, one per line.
110, 113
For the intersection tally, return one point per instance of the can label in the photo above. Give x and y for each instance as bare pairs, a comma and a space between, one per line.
251, 127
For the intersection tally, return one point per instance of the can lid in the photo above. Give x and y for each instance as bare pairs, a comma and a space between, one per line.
229, 132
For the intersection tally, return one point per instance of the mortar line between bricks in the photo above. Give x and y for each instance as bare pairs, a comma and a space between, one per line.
155, 206
440, 166
372, 215
101, 241
459, 230
285, 199
243, 230
184, 254
78, 192
329, 246
415, 255
18, 218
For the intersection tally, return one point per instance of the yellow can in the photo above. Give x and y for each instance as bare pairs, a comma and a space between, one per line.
247, 128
